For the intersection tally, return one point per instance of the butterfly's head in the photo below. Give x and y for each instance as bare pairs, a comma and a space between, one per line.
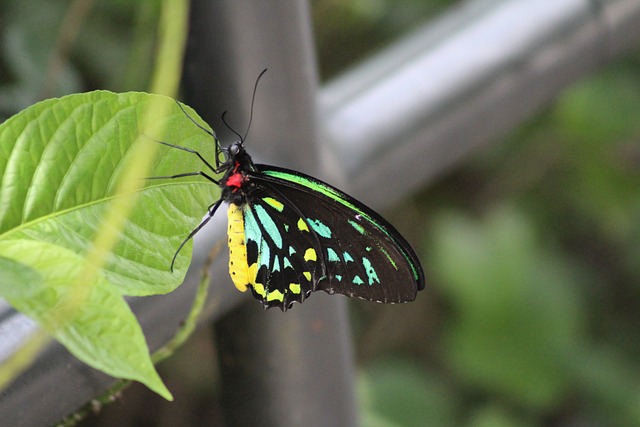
235, 151
234, 156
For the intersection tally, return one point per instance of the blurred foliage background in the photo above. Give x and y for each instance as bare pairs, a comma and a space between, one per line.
531, 248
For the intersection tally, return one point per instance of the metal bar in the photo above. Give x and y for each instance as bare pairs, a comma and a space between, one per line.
431, 100
435, 98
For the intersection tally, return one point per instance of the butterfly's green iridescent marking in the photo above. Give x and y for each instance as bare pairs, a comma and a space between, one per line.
386, 254
314, 186
357, 226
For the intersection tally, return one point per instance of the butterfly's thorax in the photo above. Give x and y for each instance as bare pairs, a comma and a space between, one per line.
236, 183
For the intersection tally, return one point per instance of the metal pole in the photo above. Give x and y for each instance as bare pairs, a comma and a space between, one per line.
278, 369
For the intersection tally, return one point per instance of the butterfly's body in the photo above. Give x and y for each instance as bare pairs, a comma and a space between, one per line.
290, 234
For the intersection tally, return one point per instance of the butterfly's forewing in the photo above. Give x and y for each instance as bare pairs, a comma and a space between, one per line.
310, 234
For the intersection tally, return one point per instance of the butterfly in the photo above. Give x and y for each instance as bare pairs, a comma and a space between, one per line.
290, 234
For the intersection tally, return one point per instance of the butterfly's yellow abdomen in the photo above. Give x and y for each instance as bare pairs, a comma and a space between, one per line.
238, 267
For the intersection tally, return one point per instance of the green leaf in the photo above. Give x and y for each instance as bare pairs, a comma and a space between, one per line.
14, 272
91, 320
61, 164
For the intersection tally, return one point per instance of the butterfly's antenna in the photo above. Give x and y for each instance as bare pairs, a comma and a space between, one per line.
229, 127
253, 100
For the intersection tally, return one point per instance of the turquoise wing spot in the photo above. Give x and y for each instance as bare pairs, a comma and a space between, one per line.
251, 228
332, 256
357, 280
264, 253
338, 277
276, 264
253, 233
371, 272
347, 257
287, 263
270, 227
321, 229
291, 250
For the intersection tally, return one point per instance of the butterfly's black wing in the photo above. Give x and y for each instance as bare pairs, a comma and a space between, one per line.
305, 235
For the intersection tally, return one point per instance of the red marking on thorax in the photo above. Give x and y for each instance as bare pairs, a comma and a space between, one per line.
236, 179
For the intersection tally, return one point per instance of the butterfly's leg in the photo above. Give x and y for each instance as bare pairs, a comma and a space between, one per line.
188, 150
181, 175
212, 207
211, 211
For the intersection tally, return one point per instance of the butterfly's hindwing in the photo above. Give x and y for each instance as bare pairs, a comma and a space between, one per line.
280, 251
